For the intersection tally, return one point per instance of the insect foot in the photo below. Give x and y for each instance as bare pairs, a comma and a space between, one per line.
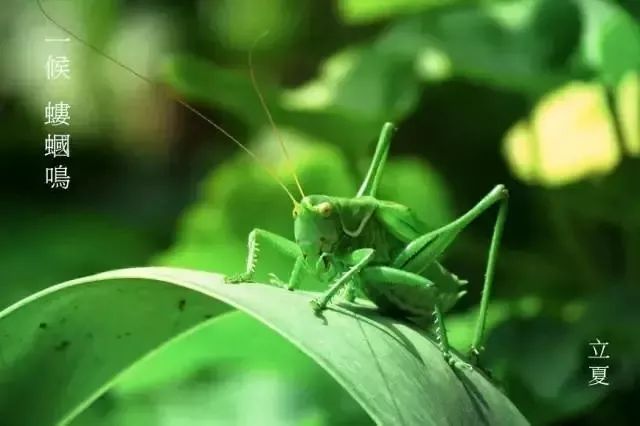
238, 278
275, 280
317, 305
474, 354
350, 294
456, 363
460, 365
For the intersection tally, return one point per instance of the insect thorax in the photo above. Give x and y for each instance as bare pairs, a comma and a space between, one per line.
374, 235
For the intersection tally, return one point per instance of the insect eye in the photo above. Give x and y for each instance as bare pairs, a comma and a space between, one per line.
325, 208
296, 211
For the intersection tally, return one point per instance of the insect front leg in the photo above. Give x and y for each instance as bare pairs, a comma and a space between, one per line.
256, 238
360, 258
294, 278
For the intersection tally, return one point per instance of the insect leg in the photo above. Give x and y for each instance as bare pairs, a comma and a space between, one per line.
362, 257
350, 294
394, 277
371, 181
423, 251
255, 240
428, 304
443, 340
294, 279
351, 291
478, 336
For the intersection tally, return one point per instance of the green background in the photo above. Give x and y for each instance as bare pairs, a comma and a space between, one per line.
541, 95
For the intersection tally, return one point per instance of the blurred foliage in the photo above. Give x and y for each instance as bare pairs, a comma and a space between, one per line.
588, 144
542, 95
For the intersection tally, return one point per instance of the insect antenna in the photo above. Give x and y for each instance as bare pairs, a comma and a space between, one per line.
276, 132
173, 96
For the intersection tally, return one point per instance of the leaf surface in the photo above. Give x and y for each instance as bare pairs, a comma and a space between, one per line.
61, 348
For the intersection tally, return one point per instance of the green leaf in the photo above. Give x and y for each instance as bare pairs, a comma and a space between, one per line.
191, 353
237, 24
51, 237
611, 40
541, 359
356, 91
362, 11
208, 400
628, 109
75, 338
204, 81
186, 371
501, 44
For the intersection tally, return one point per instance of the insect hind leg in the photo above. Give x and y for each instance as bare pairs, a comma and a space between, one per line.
393, 277
420, 299
422, 252
476, 345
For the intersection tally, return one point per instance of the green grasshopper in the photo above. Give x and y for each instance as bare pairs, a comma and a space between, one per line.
362, 244
381, 249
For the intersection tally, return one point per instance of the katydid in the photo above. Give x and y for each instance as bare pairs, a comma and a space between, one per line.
380, 248
366, 245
